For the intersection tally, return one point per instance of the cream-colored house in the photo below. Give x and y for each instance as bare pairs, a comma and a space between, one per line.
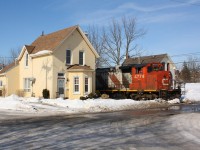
62, 62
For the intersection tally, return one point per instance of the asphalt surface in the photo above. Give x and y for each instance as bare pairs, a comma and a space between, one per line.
176, 128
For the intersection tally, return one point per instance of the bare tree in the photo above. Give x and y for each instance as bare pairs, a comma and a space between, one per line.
11, 58
194, 67
131, 33
185, 74
95, 37
113, 42
14, 53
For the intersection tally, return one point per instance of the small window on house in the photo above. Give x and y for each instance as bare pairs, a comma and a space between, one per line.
81, 58
86, 84
60, 74
26, 60
68, 57
76, 84
1, 83
27, 85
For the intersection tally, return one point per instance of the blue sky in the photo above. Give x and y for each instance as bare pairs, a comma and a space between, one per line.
173, 26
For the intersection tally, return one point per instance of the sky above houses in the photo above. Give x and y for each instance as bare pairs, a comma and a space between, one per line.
173, 26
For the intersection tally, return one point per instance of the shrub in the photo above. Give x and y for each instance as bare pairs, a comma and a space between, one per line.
45, 93
91, 95
104, 96
97, 94
20, 93
83, 98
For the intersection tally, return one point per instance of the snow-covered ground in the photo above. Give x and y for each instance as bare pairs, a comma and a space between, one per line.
192, 92
36, 106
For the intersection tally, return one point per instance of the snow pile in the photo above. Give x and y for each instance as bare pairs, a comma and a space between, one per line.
174, 101
13, 102
99, 105
49, 106
192, 92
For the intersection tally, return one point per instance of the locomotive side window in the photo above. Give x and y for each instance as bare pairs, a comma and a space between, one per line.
149, 69
139, 70
155, 67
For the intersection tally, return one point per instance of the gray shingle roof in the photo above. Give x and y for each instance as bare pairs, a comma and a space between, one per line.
144, 59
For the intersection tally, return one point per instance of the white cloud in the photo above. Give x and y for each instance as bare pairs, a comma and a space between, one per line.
141, 8
153, 13
164, 17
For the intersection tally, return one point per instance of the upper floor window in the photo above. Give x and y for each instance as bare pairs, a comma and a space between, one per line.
1, 83
68, 57
26, 59
81, 58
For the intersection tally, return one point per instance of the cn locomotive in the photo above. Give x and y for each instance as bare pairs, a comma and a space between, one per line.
138, 81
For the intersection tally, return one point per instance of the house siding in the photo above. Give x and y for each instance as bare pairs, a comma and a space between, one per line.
45, 68
43, 72
10, 81
13, 81
75, 42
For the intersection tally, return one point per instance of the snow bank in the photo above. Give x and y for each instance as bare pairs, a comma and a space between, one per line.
13, 102
49, 106
192, 92
99, 105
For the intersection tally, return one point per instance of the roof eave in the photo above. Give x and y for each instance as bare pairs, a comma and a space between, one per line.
64, 39
88, 42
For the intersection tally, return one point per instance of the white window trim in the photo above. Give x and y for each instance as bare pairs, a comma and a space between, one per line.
26, 59
76, 92
83, 57
88, 92
27, 85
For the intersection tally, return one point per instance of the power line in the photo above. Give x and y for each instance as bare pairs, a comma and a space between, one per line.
186, 54
187, 62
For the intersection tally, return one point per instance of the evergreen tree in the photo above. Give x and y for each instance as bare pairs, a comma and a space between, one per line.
185, 73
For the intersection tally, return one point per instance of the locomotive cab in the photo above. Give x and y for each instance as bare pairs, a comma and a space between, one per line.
150, 77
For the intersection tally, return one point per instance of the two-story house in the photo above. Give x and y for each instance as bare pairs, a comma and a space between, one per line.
62, 62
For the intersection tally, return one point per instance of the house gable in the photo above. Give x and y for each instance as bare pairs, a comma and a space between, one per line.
84, 38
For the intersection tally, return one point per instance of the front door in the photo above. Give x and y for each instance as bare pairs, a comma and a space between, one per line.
61, 87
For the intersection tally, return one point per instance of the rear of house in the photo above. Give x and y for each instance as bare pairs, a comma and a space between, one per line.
9, 79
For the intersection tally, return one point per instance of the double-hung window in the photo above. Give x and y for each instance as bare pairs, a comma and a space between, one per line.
86, 84
81, 58
26, 59
68, 57
76, 85
27, 85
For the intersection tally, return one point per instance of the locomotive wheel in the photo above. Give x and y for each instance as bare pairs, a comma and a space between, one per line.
149, 96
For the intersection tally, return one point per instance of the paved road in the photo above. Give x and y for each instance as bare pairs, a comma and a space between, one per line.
176, 128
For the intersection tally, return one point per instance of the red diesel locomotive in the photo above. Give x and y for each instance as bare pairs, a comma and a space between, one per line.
139, 82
